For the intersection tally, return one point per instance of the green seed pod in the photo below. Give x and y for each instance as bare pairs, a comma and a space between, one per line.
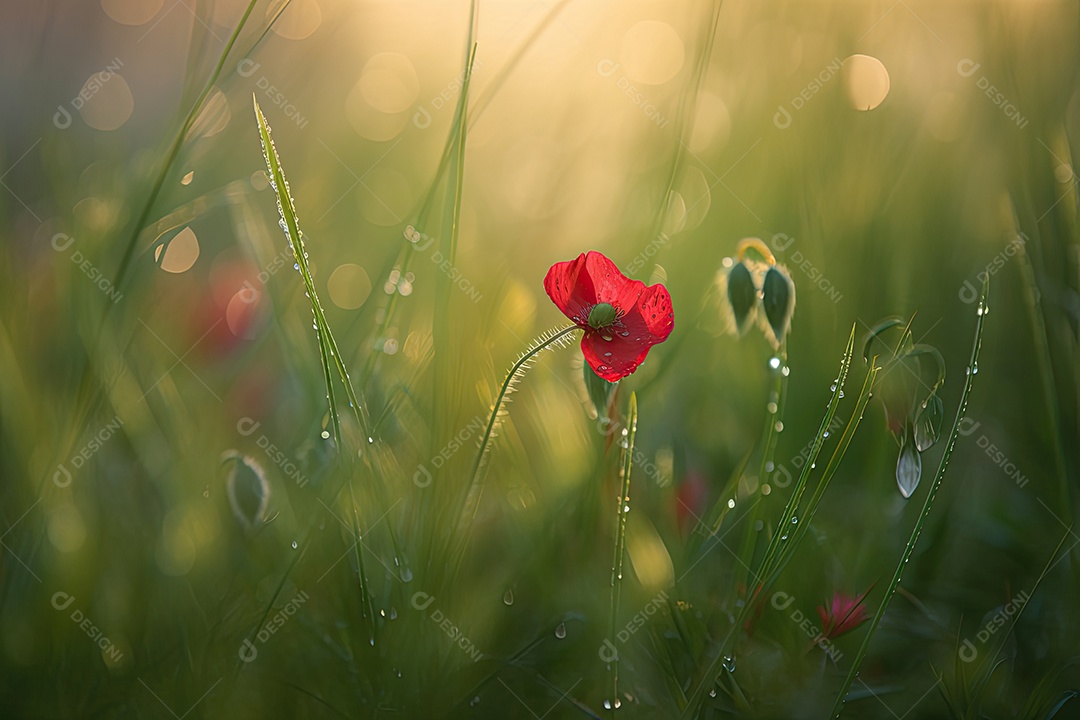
741, 295
602, 315
778, 300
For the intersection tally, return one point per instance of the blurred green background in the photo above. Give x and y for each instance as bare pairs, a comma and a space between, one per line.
152, 337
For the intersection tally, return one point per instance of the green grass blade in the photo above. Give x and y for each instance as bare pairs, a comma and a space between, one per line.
838, 706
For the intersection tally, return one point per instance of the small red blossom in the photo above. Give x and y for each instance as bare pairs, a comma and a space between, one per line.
622, 318
844, 614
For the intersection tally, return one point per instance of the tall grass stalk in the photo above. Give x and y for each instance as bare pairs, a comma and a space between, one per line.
972, 369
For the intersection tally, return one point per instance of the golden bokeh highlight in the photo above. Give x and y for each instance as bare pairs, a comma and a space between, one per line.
299, 20
349, 286
651, 53
388, 83
132, 12
180, 253
866, 80
109, 101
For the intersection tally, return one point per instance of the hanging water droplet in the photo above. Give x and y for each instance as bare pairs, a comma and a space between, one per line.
560, 631
774, 362
295, 544
712, 693
841, 393
779, 426
508, 597
729, 663
785, 371
771, 407
406, 575
730, 503
325, 434
826, 434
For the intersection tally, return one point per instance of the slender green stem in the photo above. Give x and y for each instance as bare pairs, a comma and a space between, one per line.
620, 543
485, 440
838, 706
474, 473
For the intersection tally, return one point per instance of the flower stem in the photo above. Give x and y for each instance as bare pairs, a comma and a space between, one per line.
620, 542
516, 370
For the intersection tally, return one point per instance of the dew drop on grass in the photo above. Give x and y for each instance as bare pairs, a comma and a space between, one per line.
406, 575
508, 597
774, 362
393, 613
560, 631
325, 435
295, 544
729, 663
771, 407
785, 371
779, 427
206, 492
475, 701
731, 503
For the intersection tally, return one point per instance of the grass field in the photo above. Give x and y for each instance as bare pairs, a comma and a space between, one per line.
350, 470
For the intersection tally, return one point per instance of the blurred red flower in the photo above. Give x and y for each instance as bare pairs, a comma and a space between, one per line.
844, 614
622, 318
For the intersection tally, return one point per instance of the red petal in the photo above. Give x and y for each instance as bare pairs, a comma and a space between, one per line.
612, 359
571, 289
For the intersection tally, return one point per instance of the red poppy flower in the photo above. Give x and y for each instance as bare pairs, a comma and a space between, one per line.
844, 614
622, 318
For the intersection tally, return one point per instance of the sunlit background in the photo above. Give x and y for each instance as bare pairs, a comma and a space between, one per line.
182, 534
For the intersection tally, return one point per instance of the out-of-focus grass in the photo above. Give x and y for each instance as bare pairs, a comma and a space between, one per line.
129, 585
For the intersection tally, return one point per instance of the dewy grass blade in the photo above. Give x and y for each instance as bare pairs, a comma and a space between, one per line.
973, 363
712, 672
328, 350
620, 545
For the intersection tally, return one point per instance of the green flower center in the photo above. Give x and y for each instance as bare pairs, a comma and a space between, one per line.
602, 315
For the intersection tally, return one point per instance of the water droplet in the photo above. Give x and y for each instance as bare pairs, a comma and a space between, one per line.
730, 503
206, 492
832, 388
771, 407
475, 701
324, 434
406, 575
712, 693
779, 426
560, 631
393, 613
295, 544
785, 371
729, 663
606, 337
508, 597
774, 362
826, 434
841, 393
